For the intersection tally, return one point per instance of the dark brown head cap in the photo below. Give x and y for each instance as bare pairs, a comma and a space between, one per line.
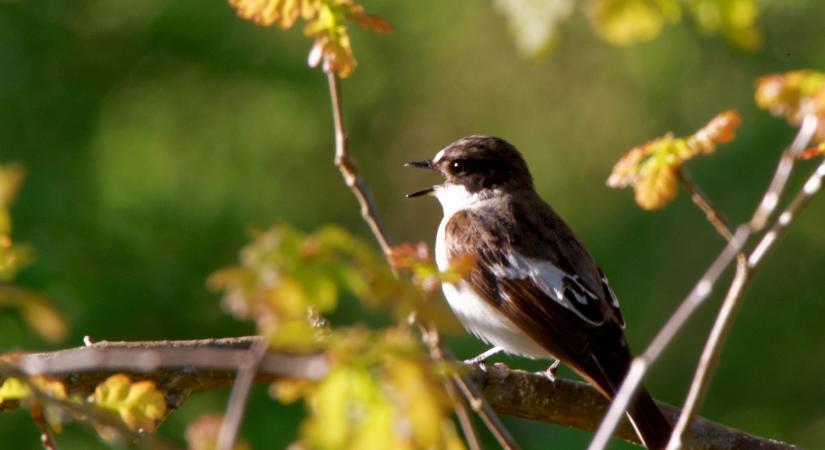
483, 162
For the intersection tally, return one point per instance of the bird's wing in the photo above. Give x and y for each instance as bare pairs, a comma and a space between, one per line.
551, 305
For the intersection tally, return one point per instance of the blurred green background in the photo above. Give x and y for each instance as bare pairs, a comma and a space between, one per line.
157, 133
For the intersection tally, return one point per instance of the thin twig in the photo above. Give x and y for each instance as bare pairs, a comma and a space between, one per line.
710, 354
349, 170
703, 288
432, 338
233, 418
464, 419
723, 323
359, 188
700, 199
709, 359
47, 437
485, 411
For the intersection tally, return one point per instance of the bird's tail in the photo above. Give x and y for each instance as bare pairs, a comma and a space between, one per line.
649, 422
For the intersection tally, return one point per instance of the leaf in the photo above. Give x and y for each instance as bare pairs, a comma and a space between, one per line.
202, 434
652, 169
534, 23
326, 23
625, 22
140, 405
382, 392
813, 152
16, 389
13, 389
736, 19
40, 315
792, 95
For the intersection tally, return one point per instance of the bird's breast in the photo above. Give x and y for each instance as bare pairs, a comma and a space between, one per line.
477, 315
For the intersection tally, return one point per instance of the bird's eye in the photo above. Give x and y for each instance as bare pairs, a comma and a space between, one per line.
458, 167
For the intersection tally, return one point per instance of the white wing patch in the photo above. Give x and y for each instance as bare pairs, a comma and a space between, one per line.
556, 283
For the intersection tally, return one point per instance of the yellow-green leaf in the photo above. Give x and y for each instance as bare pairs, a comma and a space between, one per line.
140, 405
625, 22
652, 169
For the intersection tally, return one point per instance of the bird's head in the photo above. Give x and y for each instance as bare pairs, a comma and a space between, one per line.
476, 167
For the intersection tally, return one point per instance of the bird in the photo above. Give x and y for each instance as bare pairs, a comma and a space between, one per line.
532, 289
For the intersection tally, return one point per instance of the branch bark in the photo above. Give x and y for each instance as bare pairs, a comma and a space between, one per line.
182, 368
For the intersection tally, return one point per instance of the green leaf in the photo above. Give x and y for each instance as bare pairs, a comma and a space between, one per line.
140, 405
625, 22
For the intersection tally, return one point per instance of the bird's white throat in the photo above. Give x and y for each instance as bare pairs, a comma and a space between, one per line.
455, 197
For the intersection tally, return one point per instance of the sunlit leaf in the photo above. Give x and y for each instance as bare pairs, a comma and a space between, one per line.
736, 19
13, 389
382, 393
652, 169
535, 23
792, 95
813, 152
625, 22
326, 23
140, 405
202, 434
16, 389
40, 315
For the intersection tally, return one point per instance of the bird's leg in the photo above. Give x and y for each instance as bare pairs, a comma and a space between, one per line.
550, 372
483, 357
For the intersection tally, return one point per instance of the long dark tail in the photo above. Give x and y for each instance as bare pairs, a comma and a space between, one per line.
649, 421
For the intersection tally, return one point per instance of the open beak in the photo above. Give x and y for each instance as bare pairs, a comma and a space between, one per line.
421, 165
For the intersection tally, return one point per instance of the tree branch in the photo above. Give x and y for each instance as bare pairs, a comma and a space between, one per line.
182, 368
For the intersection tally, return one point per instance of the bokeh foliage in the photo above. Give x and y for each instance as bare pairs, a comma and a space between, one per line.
155, 134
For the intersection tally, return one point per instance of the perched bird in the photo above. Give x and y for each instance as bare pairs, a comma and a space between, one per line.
533, 290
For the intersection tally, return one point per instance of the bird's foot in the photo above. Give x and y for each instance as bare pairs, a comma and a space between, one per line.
482, 357
550, 372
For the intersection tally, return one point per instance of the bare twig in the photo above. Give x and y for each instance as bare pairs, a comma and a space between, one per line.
703, 287
709, 359
349, 170
228, 433
432, 338
464, 419
482, 407
213, 363
47, 437
701, 200
359, 188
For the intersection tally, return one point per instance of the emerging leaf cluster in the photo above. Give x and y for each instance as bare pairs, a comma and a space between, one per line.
13, 257
382, 392
287, 279
792, 95
38, 313
382, 389
536, 23
652, 169
625, 22
326, 23
139, 405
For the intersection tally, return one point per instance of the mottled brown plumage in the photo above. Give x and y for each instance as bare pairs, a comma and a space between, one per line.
531, 270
